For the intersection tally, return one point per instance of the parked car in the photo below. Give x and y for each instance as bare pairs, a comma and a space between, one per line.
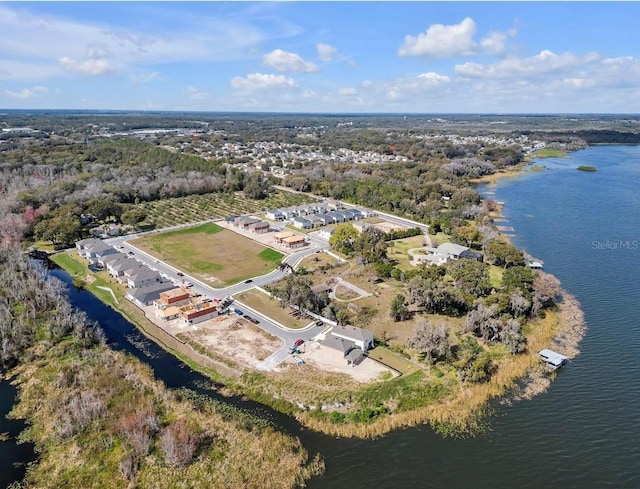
299, 342
255, 321
247, 317
238, 312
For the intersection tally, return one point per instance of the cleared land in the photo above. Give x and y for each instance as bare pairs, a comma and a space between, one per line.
269, 307
212, 254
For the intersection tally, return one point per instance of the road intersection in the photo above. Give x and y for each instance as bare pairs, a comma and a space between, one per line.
181, 278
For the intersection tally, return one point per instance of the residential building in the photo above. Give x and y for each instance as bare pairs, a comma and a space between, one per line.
294, 242
278, 237
93, 249
144, 296
117, 267
141, 276
172, 297
197, 313
361, 338
302, 223
275, 215
259, 227
327, 232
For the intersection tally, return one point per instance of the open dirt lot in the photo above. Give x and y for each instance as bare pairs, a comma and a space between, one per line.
245, 344
329, 360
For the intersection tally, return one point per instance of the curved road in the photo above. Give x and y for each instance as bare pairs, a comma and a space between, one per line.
289, 336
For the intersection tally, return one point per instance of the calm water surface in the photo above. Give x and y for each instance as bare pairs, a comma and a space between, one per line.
584, 432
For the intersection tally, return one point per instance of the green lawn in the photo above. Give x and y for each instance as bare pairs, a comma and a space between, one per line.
391, 359
495, 276
78, 269
549, 153
214, 255
208, 228
264, 304
398, 250
74, 266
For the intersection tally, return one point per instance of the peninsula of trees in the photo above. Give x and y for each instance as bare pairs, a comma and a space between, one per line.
462, 326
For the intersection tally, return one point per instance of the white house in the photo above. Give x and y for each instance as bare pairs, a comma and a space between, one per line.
361, 338
275, 215
326, 233
302, 223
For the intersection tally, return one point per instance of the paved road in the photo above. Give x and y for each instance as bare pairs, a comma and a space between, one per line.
288, 336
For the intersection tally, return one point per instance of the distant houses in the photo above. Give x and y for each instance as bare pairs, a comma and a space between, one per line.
317, 215
94, 250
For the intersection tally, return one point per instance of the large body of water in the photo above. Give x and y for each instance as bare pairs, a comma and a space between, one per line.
583, 432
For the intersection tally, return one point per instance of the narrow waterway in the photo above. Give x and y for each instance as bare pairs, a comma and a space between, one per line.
14, 456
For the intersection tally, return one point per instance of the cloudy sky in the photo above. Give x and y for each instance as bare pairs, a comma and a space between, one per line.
400, 57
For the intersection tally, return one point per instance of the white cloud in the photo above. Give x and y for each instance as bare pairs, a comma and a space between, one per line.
262, 81
441, 41
20, 70
196, 93
144, 77
42, 41
289, 62
432, 79
326, 52
347, 91
543, 63
27, 93
92, 67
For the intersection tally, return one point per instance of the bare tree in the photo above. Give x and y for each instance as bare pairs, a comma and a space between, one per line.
179, 443
431, 341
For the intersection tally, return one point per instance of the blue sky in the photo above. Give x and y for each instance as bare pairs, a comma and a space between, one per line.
400, 57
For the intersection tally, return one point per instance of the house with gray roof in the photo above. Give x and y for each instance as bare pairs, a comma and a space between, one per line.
118, 267
145, 296
141, 276
361, 338
448, 251
336, 216
112, 258
94, 249
276, 215
302, 223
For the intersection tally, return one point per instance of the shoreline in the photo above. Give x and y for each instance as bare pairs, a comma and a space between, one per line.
458, 413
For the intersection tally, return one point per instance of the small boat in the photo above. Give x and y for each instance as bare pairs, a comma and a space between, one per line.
552, 359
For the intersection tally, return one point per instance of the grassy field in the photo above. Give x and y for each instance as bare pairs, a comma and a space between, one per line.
264, 304
392, 359
210, 253
549, 153
197, 208
399, 250
495, 275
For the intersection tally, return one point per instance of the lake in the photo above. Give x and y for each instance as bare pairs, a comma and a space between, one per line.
582, 432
